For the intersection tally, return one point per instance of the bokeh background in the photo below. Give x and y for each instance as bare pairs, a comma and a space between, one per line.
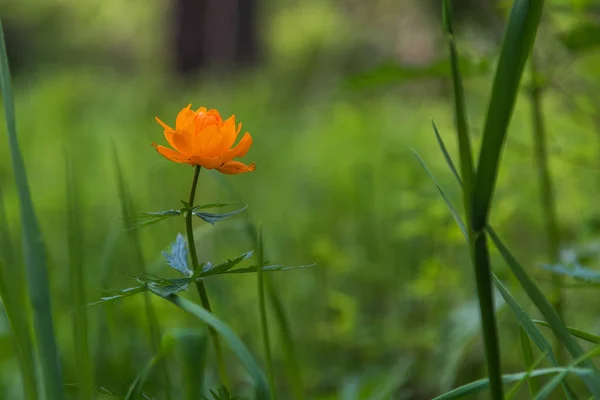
336, 94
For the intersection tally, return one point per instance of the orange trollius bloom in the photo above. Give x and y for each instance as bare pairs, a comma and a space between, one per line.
202, 138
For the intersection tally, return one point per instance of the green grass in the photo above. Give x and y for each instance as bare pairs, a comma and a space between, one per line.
391, 307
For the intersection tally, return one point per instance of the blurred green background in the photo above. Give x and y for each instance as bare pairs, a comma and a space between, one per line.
335, 93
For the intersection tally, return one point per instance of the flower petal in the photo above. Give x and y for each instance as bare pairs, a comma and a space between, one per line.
236, 167
185, 119
207, 162
172, 155
184, 142
228, 135
168, 132
241, 149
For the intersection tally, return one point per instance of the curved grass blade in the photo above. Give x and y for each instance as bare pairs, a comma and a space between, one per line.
581, 334
33, 249
482, 384
237, 346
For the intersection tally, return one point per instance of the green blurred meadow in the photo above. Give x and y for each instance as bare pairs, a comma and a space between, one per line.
340, 95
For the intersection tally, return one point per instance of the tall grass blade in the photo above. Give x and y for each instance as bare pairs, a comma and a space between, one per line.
581, 334
460, 111
260, 276
33, 249
524, 320
236, 345
12, 293
75, 236
191, 351
518, 41
294, 372
127, 211
547, 198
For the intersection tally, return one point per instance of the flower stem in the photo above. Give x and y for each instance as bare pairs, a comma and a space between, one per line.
199, 283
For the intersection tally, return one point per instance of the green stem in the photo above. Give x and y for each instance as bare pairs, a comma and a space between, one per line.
263, 315
483, 279
546, 193
199, 283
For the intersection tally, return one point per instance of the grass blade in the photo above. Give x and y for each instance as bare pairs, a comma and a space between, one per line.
191, 350
12, 296
77, 277
33, 249
260, 276
460, 111
236, 345
482, 384
283, 324
518, 41
581, 334
545, 308
551, 386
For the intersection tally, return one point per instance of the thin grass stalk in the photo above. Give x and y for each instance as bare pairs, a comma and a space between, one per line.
477, 239
78, 288
263, 314
527, 352
221, 367
33, 249
127, 210
294, 371
547, 198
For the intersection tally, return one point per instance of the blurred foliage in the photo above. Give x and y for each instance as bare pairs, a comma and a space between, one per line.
388, 312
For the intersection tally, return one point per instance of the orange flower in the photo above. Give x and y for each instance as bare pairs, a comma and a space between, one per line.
202, 138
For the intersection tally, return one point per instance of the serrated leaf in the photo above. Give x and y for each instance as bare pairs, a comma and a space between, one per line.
167, 290
214, 218
226, 266
577, 271
269, 268
177, 259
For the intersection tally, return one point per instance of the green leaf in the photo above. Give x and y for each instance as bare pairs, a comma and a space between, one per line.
540, 301
482, 384
237, 346
214, 218
460, 113
518, 41
544, 306
177, 259
267, 268
214, 205
33, 248
223, 267
581, 334
447, 200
